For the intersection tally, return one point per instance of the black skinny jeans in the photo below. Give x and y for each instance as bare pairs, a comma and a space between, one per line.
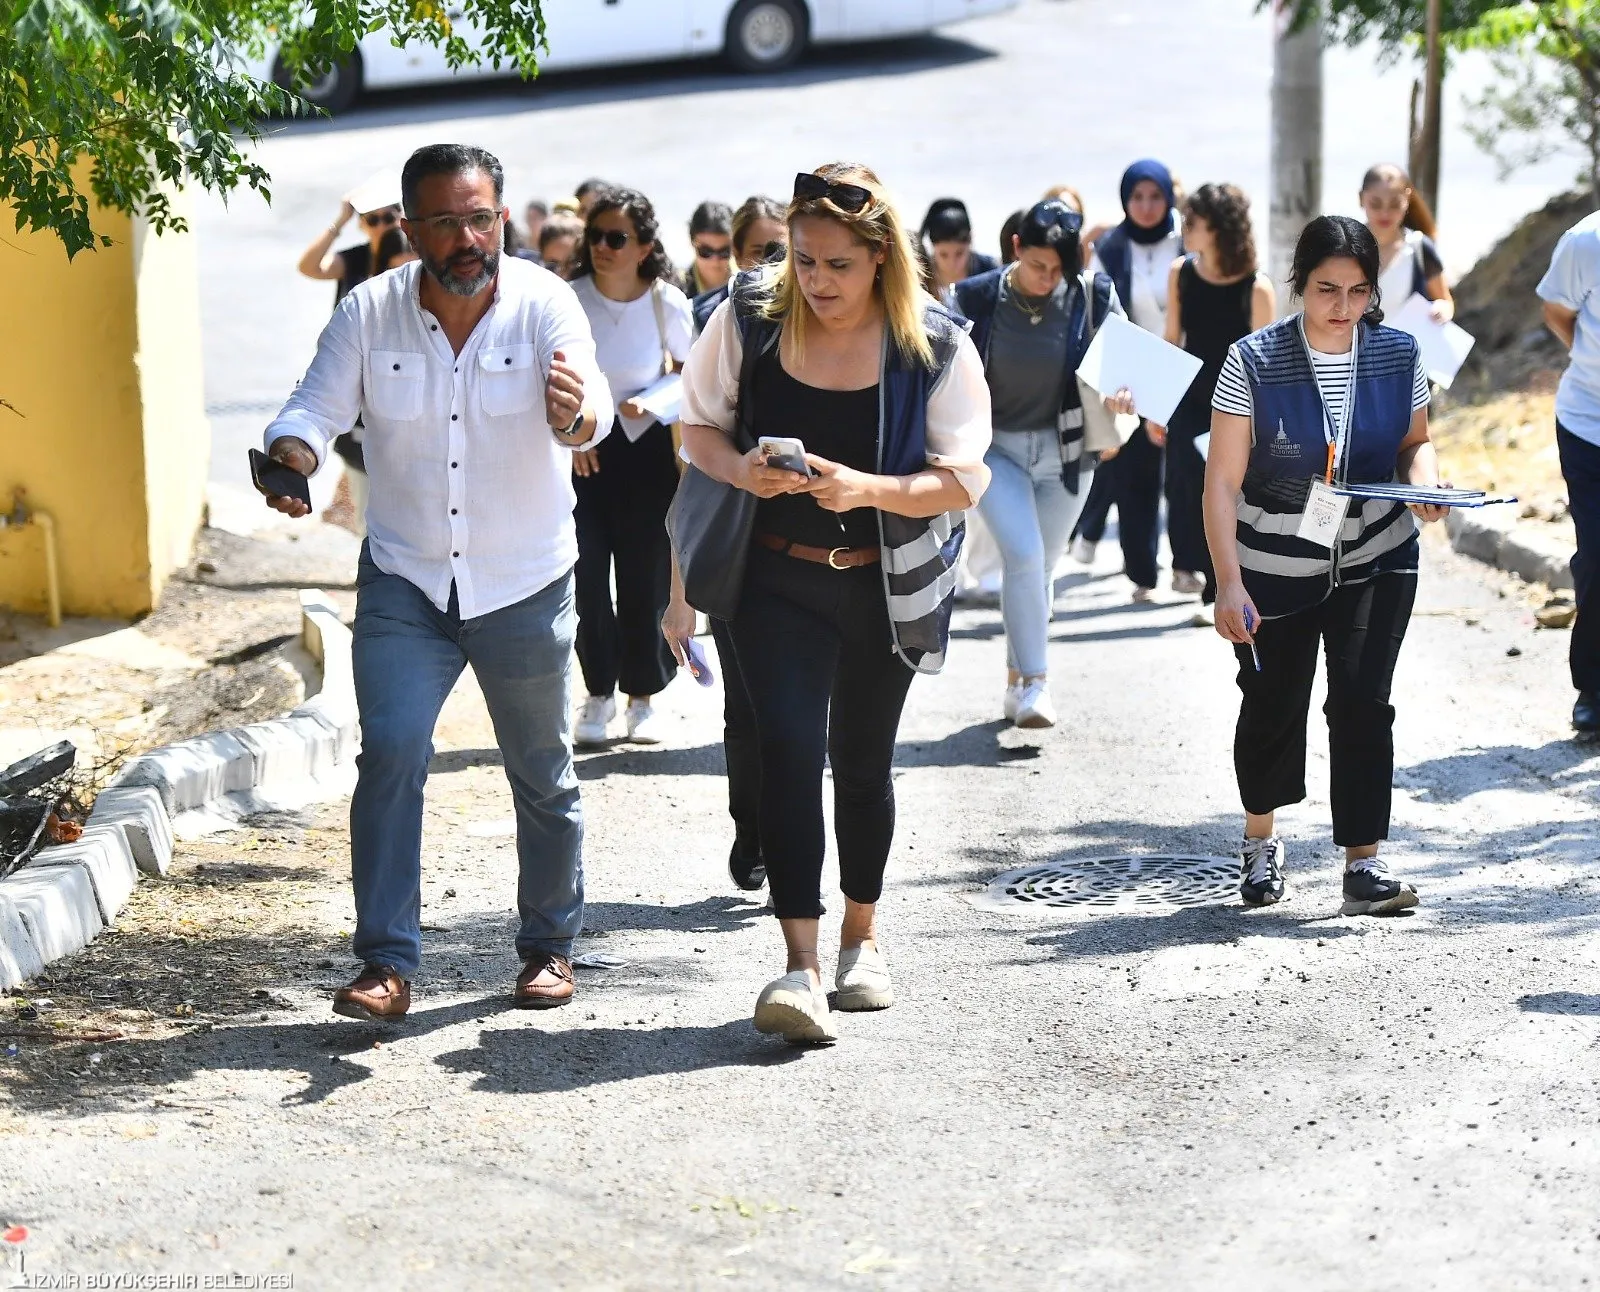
814, 647
1361, 626
621, 519
1131, 482
1185, 489
740, 747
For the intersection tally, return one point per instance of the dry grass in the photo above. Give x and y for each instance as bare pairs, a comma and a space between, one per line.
1507, 443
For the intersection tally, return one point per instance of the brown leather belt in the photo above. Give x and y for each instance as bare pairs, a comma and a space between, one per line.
837, 558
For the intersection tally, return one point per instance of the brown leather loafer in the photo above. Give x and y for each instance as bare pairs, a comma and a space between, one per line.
377, 992
544, 983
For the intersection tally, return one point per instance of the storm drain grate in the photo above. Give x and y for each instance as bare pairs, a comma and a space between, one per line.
1116, 883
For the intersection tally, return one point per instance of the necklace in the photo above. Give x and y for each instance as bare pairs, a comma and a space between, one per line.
1034, 313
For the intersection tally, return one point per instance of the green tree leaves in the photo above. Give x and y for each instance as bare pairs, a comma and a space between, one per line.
143, 96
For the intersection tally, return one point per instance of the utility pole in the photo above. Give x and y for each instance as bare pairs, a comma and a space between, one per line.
1296, 138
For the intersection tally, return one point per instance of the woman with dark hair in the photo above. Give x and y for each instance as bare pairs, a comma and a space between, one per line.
1327, 396
1400, 220
1138, 255
1215, 296
848, 587
642, 328
711, 236
946, 242
1032, 324
1008, 233
758, 234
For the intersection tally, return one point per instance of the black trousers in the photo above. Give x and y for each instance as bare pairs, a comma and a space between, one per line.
1361, 627
1185, 491
621, 517
1580, 465
814, 647
740, 746
1130, 482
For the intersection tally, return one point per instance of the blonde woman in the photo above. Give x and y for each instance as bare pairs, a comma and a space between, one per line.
838, 346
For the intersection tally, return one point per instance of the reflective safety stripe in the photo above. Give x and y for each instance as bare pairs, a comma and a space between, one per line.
911, 606
922, 549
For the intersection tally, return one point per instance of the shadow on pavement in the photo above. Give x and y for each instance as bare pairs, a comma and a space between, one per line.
708, 915
1559, 764
1561, 1002
529, 1061
632, 760
662, 78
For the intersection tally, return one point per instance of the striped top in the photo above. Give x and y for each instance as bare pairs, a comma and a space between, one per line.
1333, 380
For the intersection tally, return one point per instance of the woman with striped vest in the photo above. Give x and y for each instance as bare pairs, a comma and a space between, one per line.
1323, 398
851, 572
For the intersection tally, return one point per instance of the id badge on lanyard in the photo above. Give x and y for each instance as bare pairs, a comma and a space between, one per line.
1325, 511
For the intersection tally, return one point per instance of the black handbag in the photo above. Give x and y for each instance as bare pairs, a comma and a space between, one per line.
710, 523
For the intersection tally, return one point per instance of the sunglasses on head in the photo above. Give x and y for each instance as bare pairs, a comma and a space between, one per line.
374, 219
712, 253
847, 197
616, 239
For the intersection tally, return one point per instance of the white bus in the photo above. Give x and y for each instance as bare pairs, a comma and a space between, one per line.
753, 35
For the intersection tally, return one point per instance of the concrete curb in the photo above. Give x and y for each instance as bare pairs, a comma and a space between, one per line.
1493, 536
67, 895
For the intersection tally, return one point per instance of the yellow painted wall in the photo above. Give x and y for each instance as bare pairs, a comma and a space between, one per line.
100, 357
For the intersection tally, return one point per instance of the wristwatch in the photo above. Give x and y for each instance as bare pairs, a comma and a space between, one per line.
577, 425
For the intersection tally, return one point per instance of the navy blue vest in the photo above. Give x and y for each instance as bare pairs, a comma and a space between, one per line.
1284, 573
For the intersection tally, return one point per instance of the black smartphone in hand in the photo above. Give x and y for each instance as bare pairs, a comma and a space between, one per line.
276, 480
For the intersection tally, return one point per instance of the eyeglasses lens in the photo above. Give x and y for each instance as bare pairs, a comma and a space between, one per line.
616, 239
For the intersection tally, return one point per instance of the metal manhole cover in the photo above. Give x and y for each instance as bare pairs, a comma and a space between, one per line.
1120, 883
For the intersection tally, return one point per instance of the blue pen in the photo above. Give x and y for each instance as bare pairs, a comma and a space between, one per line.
1250, 627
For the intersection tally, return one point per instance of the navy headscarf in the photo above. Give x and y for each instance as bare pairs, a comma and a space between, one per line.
1156, 173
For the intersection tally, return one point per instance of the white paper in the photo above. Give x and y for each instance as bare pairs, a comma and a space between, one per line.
1444, 345
1203, 444
663, 398
375, 192
1125, 355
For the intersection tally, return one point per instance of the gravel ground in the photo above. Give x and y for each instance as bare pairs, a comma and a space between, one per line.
1188, 1097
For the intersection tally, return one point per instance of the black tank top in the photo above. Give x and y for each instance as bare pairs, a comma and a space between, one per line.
1214, 317
840, 425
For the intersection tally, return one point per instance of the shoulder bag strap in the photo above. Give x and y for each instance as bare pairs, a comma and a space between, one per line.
661, 326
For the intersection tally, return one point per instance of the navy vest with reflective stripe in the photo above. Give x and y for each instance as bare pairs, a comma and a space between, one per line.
1282, 572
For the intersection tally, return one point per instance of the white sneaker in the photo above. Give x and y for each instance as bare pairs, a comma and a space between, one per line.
593, 718
1035, 707
643, 726
863, 979
795, 1008
1142, 593
1188, 582
1013, 698
1081, 550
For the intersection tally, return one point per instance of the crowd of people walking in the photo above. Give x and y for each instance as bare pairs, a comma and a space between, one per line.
854, 391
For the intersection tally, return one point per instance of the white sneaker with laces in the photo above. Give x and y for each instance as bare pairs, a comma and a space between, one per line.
796, 1008
643, 726
863, 979
1013, 698
593, 719
1034, 706
1081, 550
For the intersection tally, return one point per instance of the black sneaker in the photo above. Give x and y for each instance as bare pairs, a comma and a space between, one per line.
1261, 871
1586, 715
748, 871
1369, 889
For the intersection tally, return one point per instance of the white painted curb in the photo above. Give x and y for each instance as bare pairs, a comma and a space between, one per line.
1492, 536
66, 895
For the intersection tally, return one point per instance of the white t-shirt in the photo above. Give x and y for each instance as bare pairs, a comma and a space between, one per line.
1333, 380
1149, 267
627, 340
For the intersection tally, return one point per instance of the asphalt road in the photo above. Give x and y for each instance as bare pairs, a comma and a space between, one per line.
994, 111
1197, 1098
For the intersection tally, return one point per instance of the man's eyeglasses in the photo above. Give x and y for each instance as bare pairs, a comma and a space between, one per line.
616, 239
712, 253
847, 197
380, 219
478, 222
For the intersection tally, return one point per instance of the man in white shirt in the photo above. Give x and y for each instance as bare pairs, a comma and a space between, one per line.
475, 378
1570, 291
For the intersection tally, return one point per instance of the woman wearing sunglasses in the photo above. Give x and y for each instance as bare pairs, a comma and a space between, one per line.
1032, 322
349, 266
711, 237
851, 566
642, 328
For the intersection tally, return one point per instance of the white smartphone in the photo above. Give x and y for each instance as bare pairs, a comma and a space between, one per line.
785, 453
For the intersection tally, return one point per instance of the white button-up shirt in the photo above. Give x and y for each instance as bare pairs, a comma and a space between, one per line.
468, 484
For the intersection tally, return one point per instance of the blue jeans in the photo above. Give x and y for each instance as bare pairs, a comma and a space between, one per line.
408, 655
1030, 513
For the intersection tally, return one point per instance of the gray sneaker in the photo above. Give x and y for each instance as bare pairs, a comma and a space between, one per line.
1261, 871
1369, 889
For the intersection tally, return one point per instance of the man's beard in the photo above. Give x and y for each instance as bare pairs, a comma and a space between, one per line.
464, 274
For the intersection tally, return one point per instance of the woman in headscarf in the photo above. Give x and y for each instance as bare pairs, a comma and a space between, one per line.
1137, 255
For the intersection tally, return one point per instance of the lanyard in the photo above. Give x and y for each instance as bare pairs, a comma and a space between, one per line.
1337, 436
